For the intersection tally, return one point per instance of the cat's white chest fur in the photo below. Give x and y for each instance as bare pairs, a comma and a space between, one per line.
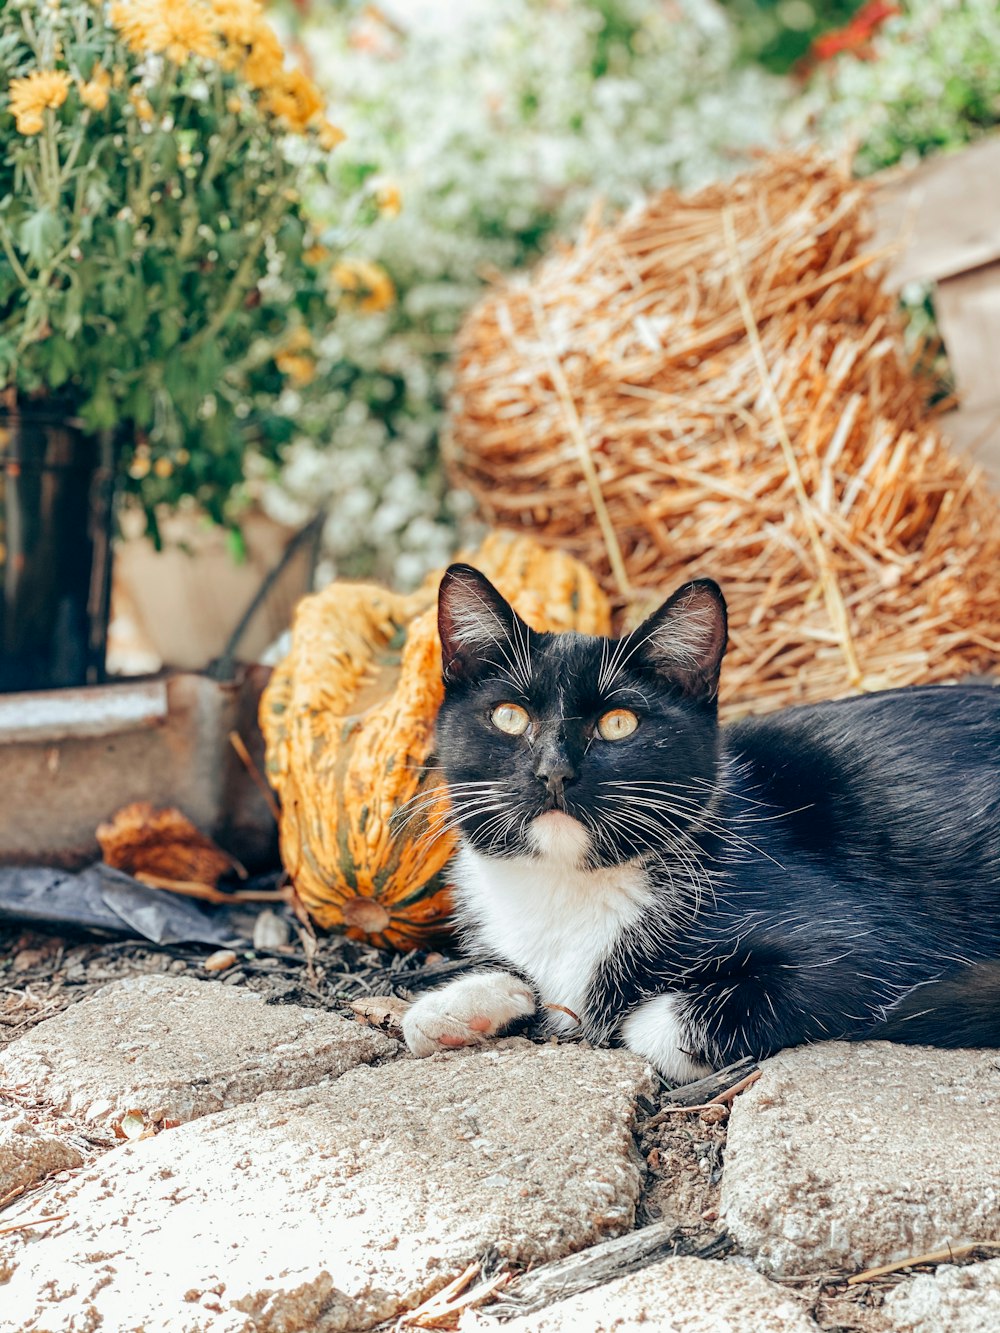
554, 919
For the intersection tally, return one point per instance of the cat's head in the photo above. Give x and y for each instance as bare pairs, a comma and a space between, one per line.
590, 749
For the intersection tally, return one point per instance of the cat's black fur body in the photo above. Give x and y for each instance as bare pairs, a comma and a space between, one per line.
883, 876
822, 872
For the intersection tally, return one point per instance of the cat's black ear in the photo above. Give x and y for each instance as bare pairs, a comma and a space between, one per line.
479, 629
686, 638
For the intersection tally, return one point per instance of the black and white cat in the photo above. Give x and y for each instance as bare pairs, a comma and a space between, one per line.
696, 893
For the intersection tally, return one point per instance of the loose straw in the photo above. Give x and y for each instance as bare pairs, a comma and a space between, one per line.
831, 588
579, 437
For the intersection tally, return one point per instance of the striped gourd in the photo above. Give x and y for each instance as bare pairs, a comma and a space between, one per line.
348, 717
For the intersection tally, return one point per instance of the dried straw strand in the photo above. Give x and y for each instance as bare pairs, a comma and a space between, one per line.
828, 577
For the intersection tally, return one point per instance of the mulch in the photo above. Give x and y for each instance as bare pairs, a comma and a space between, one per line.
43, 973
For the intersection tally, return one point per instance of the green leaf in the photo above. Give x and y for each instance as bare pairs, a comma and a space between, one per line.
139, 406
166, 154
100, 412
72, 320
41, 235
124, 237
62, 361
135, 309
236, 545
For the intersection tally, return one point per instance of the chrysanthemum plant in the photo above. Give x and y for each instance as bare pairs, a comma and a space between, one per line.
159, 275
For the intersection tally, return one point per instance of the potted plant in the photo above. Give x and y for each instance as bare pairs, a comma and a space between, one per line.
162, 287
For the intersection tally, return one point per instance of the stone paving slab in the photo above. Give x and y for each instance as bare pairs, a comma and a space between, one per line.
176, 1048
950, 1300
27, 1154
673, 1296
333, 1207
846, 1156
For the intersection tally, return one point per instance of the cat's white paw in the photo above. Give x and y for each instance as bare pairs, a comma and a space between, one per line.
661, 1032
466, 1011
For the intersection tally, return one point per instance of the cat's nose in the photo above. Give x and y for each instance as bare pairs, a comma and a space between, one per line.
556, 773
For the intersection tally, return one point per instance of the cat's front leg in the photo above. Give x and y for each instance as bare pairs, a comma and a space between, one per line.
467, 1011
665, 1032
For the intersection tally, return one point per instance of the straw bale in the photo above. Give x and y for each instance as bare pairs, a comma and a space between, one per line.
716, 385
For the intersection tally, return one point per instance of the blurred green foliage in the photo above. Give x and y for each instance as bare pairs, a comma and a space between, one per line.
778, 33
931, 83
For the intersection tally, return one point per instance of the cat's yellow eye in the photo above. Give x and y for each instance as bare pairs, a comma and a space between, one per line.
511, 719
617, 724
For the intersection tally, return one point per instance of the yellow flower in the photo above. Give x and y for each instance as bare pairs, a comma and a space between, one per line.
301, 370
94, 93
357, 275
295, 99
234, 104
187, 31
163, 468
177, 29
31, 95
30, 122
263, 65
389, 200
238, 22
294, 359
330, 136
143, 107
135, 20
316, 255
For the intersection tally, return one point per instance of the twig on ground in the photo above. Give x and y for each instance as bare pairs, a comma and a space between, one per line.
32, 1222
712, 1090
443, 1308
597, 1265
195, 889
11, 1195
720, 1100
258, 779
947, 1255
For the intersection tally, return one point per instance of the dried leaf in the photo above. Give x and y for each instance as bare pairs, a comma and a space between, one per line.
384, 1012
162, 843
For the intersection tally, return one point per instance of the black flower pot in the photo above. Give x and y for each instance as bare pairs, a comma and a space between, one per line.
56, 491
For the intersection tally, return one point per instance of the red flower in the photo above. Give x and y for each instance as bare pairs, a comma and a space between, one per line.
855, 35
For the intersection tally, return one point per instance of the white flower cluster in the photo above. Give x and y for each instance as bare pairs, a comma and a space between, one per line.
497, 124
932, 82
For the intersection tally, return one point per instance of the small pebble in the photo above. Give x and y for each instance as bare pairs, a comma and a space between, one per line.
219, 961
714, 1115
270, 931
178, 965
28, 958
234, 979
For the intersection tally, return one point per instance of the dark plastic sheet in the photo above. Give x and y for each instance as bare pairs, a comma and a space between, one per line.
102, 899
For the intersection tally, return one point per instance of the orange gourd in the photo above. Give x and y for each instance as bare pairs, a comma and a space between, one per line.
348, 717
